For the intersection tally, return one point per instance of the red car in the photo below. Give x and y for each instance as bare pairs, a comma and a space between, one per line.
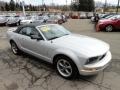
109, 24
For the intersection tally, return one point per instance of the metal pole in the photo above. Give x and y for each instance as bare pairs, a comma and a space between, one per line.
52, 4
66, 5
117, 8
23, 3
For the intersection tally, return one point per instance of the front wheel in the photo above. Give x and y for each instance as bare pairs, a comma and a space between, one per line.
66, 68
14, 48
109, 28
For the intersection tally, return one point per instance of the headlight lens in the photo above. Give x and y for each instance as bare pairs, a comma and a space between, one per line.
95, 59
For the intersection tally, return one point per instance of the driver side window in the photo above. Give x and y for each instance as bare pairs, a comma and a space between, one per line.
27, 31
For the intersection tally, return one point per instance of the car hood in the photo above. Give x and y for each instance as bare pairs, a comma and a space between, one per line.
84, 45
3, 20
26, 20
13, 21
105, 20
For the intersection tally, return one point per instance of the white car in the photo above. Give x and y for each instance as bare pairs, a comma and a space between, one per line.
71, 54
27, 20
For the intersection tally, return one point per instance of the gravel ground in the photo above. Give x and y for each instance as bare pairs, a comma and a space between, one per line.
25, 72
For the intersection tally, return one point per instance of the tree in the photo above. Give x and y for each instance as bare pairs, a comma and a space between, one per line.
91, 5
6, 7
2, 8
74, 7
17, 6
83, 5
12, 5
20, 5
30, 7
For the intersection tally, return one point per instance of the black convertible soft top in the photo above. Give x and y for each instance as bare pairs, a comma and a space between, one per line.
30, 25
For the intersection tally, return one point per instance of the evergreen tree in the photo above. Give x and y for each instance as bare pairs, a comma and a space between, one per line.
12, 5
6, 7
20, 5
2, 8
17, 6
83, 5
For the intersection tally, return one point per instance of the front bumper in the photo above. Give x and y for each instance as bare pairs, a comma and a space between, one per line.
12, 23
94, 68
100, 27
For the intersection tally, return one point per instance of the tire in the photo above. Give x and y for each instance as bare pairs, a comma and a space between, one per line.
109, 28
60, 22
14, 48
66, 68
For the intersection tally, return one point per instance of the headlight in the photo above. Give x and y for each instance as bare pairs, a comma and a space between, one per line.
100, 22
95, 59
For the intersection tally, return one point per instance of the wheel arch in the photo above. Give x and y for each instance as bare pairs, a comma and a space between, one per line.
11, 40
73, 57
108, 25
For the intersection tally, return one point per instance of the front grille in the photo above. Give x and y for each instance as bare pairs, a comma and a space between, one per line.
95, 59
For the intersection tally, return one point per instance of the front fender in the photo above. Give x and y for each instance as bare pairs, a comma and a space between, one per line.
78, 60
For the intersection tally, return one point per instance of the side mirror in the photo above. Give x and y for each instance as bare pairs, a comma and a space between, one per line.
36, 37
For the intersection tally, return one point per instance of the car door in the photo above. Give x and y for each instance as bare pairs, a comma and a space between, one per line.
33, 46
117, 24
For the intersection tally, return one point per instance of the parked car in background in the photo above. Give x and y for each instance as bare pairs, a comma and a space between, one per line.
102, 16
13, 21
40, 19
89, 15
75, 17
27, 20
55, 19
83, 16
109, 24
3, 20
108, 16
71, 54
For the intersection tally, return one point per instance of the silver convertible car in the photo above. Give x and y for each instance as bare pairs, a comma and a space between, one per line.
71, 54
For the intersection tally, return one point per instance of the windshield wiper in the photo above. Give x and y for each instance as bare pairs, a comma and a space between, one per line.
53, 38
58, 37
64, 35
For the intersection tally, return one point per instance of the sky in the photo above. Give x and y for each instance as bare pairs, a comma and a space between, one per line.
58, 2
109, 1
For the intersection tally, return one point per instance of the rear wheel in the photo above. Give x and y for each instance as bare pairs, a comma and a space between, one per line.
109, 28
14, 48
66, 67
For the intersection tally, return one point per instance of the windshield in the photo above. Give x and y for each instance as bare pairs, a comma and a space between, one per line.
39, 18
22, 18
28, 17
12, 18
1, 17
53, 31
109, 16
115, 17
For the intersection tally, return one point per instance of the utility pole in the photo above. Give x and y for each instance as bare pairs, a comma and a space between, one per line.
117, 8
53, 5
66, 5
23, 3
105, 5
